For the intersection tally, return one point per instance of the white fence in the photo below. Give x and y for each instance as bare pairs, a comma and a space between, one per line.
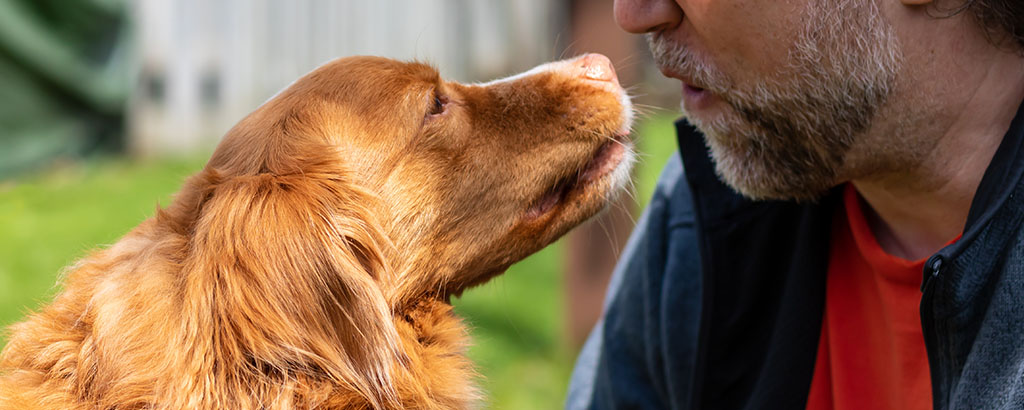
204, 64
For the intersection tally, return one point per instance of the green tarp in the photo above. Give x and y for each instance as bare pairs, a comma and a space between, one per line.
63, 80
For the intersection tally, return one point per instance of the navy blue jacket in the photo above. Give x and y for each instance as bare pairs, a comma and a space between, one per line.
717, 301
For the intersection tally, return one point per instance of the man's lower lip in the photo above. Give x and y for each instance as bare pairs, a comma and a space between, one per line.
695, 98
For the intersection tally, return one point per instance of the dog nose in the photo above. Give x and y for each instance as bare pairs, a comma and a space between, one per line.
597, 67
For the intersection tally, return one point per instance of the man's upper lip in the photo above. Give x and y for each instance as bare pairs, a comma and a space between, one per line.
669, 72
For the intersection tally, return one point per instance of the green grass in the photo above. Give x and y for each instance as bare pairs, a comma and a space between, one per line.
50, 219
656, 141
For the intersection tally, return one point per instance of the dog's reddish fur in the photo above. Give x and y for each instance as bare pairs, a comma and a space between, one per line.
310, 263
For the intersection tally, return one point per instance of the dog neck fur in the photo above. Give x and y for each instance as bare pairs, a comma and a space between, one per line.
270, 297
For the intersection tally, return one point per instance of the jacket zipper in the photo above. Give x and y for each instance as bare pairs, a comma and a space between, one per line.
697, 385
933, 267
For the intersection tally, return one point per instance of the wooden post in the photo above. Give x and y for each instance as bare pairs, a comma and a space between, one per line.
594, 247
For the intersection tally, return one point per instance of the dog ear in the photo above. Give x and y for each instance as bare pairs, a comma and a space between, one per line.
284, 274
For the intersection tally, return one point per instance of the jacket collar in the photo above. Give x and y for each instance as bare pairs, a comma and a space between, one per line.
762, 264
1001, 177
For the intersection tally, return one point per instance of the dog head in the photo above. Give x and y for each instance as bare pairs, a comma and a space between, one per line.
466, 179
371, 184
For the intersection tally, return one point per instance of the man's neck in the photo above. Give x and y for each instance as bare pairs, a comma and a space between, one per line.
916, 213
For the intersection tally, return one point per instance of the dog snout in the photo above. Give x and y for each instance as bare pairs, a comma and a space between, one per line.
597, 67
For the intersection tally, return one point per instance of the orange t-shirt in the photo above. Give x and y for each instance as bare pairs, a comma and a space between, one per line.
871, 354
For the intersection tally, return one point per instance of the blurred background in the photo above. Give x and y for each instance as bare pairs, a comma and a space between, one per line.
107, 105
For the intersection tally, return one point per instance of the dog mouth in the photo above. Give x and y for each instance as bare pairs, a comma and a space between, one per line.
604, 162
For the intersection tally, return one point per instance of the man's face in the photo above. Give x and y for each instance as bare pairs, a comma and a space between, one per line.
781, 89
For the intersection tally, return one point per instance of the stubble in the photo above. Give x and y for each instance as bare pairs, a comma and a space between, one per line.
787, 136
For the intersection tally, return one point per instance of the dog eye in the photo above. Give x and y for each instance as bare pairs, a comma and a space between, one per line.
438, 106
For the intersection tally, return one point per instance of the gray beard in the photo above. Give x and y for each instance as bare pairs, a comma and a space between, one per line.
788, 136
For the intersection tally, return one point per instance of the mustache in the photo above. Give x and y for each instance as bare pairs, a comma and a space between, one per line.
672, 57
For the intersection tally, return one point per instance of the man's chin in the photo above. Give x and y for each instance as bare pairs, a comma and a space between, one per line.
759, 177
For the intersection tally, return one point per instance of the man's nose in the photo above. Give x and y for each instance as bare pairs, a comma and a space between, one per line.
642, 16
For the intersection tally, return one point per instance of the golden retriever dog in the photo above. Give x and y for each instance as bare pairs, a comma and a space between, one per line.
310, 264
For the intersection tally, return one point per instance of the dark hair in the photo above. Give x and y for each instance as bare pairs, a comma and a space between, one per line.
1000, 17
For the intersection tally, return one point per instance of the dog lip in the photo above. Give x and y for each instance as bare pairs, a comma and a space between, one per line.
548, 201
605, 159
